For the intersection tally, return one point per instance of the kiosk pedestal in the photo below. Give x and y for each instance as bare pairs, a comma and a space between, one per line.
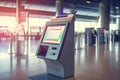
57, 46
58, 69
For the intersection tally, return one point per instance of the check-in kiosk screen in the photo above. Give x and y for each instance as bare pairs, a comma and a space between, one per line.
54, 34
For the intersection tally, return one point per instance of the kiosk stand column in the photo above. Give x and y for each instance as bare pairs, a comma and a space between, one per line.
59, 7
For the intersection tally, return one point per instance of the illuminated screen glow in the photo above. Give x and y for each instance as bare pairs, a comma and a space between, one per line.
53, 34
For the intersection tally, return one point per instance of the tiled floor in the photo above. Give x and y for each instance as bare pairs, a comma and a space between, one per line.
92, 63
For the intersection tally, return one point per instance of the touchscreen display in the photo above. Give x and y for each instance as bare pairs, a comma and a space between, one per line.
54, 34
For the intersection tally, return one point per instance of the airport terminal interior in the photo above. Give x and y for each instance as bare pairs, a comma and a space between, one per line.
59, 40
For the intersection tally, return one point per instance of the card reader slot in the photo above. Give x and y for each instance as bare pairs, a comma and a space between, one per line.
54, 48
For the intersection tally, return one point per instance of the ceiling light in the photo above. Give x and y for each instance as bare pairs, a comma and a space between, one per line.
117, 7
88, 1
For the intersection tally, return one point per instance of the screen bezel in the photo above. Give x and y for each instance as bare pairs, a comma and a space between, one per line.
49, 24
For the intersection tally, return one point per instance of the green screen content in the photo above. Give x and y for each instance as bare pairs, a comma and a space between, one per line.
53, 34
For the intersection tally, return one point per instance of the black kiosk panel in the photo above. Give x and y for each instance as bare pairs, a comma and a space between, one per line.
43, 50
52, 39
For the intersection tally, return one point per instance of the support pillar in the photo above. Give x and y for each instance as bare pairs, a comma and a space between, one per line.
59, 7
18, 18
18, 11
118, 22
104, 14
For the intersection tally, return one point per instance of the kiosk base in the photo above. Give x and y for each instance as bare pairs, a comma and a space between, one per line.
57, 69
44, 77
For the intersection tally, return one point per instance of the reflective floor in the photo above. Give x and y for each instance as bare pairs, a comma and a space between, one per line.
5, 46
101, 62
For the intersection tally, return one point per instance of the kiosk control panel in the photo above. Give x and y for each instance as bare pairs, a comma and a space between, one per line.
52, 40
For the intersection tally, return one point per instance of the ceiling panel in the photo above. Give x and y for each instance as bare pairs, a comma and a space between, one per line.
80, 6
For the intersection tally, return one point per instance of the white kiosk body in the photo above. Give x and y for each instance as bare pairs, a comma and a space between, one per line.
56, 46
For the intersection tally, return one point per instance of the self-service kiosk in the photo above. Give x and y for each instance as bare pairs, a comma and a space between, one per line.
90, 36
56, 46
